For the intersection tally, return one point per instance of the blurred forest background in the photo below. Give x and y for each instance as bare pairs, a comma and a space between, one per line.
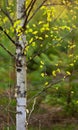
52, 65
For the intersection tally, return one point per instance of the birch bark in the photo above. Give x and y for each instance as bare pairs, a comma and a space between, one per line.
21, 70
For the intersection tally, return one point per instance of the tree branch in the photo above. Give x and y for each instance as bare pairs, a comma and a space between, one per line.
30, 7
7, 3
30, 4
7, 14
7, 35
48, 86
7, 50
36, 11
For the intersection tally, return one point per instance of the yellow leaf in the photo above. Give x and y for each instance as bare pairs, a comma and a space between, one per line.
34, 25
27, 48
42, 62
43, 7
41, 66
68, 73
12, 29
33, 44
41, 45
58, 70
56, 64
71, 55
54, 73
77, 102
5, 19
7, 31
30, 40
46, 36
73, 46
40, 22
30, 30
74, 61
42, 74
17, 23
56, 88
71, 64
46, 83
72, 92
40, 38
35, 32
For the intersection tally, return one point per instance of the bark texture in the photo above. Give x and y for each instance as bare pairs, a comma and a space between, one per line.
21, 69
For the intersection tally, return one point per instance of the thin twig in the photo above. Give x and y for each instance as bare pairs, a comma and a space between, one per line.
7, 14
58, 16
14, 112
54, 4
36, 11
33, 106
30, 4
7, 50
7, 35
31, 7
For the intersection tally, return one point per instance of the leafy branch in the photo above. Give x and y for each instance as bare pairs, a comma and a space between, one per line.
47, 87
39, 52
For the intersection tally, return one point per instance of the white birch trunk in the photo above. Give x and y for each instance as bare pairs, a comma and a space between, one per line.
21, 71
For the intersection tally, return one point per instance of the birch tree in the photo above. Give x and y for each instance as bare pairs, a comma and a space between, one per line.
21, 68
21, 89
